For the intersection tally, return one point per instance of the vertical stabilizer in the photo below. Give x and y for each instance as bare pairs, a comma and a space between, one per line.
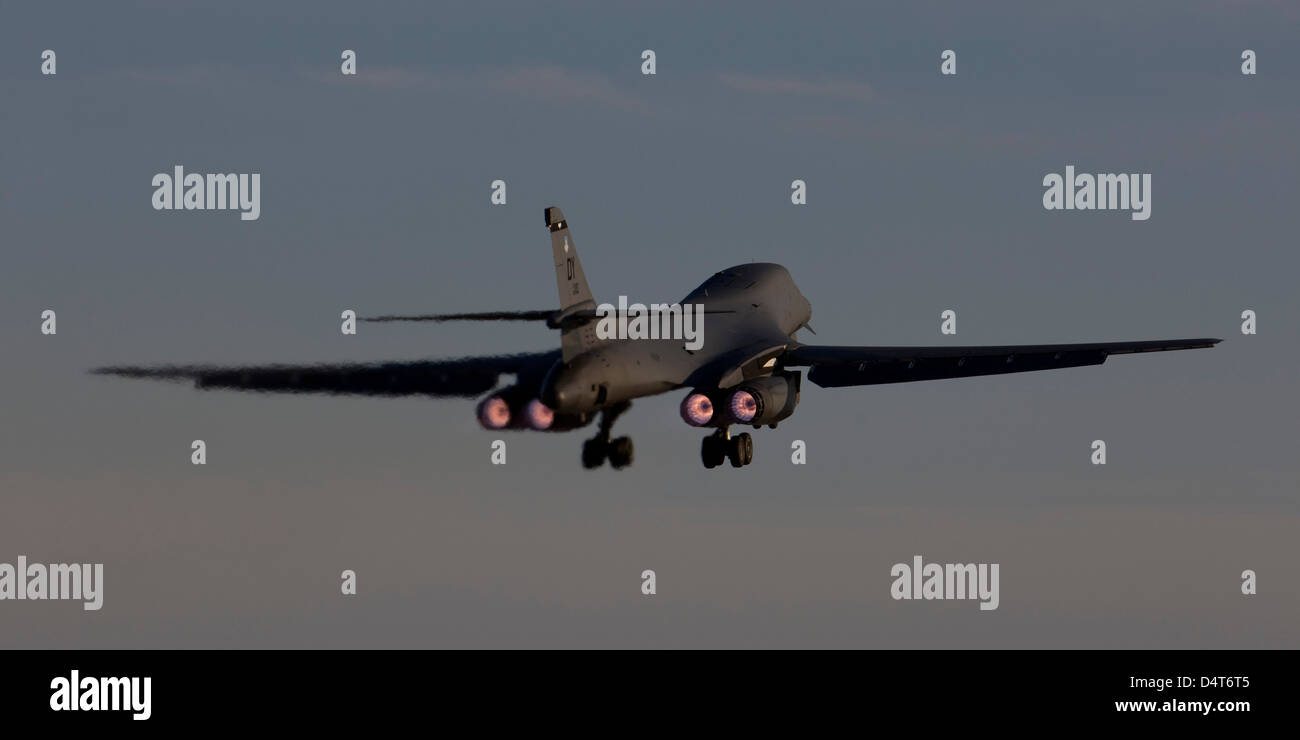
572, 283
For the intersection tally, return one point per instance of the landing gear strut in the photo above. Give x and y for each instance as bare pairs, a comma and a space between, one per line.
599, 447
721, 446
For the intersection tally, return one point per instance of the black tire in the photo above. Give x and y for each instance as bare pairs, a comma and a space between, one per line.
746, 449
593, 453
736, 450
710, 453
620, 452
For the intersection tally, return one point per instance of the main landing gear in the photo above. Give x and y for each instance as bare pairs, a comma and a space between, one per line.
618, 450
721, 445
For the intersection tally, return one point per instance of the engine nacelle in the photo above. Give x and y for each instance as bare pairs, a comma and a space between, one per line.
501, 410
516, 408
698, 409
764, 400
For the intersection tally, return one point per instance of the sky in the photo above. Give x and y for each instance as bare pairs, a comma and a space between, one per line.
924, 194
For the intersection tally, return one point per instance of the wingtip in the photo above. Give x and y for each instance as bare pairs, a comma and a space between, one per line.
161, 373
124, 372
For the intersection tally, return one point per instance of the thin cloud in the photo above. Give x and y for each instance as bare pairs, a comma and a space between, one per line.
189, 75
542, 82
827, 88
545, 83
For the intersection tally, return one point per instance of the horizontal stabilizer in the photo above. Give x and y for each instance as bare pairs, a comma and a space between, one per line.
553, 319
485, 316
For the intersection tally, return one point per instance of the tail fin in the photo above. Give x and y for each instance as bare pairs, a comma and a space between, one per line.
572, 282
568, 268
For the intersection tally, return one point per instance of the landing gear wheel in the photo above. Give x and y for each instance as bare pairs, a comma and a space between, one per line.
712, 451
620, 452
596, 449
593, 453
740, 450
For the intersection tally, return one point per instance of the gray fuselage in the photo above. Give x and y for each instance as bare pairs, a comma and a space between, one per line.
751, 305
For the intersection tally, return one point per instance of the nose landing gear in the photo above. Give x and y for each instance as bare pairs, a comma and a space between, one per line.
600, 447
721, 446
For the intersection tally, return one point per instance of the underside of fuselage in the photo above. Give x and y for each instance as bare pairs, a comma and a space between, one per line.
747, 311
